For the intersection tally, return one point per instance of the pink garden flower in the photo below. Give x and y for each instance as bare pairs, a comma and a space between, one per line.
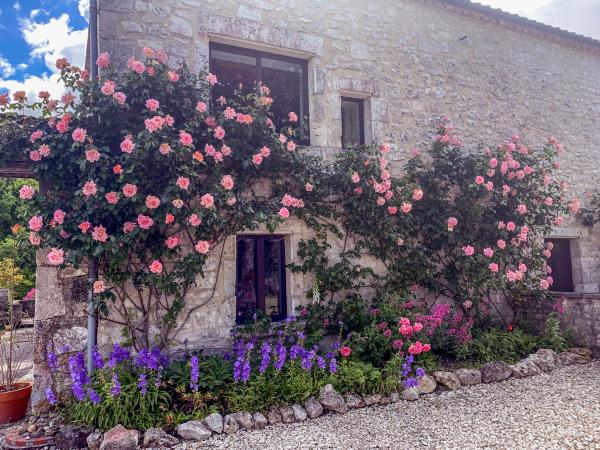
173, 76
309, 187
501, 244
201, 107
156, 267
493, 267
108, 88
120, 97
219, 133
103, 60
212, 79
392, 210
284, 213
355, 177
89, 188
128, 227
257, 159
169, 218
452, 222
34, 155
59, 216
417, 194
468, 250
202, 247
84, 227
129, 190
385, 148
227, 182
172, 242
44, 150
291, 146
127, 145
99, 287
144, 222
99, 234
56, 256
207, 200
521, 209
152, 104
34, 239
92, 155
185, 138
36, 223
112, 197
26, 192
292, 117
265, 152
406, 207
510, 226
183, 182
194, 220
488, 252
79, 134
152, 202
479, 179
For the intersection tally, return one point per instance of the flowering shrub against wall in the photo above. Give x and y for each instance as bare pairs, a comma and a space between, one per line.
142, 171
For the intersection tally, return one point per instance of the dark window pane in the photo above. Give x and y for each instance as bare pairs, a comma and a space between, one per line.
560, 262
246, 277
352, 122
260, 277
285, 80
232, 70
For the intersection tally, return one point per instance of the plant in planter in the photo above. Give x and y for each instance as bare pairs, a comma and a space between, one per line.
14, 394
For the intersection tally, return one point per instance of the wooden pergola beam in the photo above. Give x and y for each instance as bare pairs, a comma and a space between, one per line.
16, 169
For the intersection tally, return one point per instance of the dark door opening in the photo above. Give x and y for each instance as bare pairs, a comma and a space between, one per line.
260, 276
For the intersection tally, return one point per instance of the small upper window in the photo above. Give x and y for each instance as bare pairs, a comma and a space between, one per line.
560, 262
242, 68
353, 127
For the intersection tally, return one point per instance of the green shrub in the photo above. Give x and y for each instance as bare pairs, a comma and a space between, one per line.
358, 377
553, 336
497, 344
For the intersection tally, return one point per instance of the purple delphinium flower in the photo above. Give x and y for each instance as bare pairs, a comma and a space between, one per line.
50, 396
78, 374
142, 383
411, 382
116, 386
245, 370
307, 360
295, 351
97, 358
239, 362
194, 373
420, 372
265, 355
52, 358
150, 359
94, 397
321, 363
118, 355
281, 352
332, 364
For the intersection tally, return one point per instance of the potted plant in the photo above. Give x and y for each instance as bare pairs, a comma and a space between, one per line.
14, 394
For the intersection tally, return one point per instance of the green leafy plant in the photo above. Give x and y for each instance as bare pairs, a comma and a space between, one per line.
498, 344
357, 376
553, 336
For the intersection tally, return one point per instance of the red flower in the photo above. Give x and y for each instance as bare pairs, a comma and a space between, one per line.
345, 351
509, 327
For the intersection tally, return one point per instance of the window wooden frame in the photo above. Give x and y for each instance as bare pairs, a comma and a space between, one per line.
258, 55
361, 117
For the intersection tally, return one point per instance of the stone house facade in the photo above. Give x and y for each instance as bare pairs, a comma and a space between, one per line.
369, 71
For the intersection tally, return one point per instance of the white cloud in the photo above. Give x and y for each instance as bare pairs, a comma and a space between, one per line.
6, 68
84, 9
17, 6
22, 66
55, 39
34, 84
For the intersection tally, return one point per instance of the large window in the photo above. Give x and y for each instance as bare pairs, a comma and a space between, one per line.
560, 262
353, 125
260, 276
244, 68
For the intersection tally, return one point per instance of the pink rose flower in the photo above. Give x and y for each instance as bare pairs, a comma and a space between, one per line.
392, 210
479, 179
172, 242
265, 152
219, 133
201, 107
89, 188
34, 155
194, 220
355, 178
501, 244
292, 116
79, 134
152, 202
112, 198
156, 267
99, 287
227, 182
468, 250
120, 97
108, 88
521, 209
169, 218
212, 79
59, 216
129, 190
56, 256
36, 223
26, 192
173, 76
99, 234
257, 159
452, 222
510, 226
103, 60
128, 227
183, 182
309, 187
185, 138
84, 227
488, 252
164, 148
152, 104
44, 150
144, 222
127, 145
202, 247
207, 200
406, 207
284, 213
34, 239
291, 146
92, 155
417, 194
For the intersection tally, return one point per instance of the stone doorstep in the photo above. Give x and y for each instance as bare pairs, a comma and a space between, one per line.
13, 440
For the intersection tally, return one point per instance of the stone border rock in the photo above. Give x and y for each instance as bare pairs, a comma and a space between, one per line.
329, 400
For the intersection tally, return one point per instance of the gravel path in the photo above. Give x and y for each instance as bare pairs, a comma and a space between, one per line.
560, 410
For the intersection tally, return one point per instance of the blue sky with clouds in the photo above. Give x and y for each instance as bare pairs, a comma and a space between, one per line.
34, 33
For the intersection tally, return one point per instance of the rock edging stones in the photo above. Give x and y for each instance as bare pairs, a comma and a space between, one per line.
544, 360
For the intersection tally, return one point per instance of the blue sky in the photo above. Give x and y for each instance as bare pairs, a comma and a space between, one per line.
34, 33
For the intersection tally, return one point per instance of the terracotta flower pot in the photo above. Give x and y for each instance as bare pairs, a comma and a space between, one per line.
13, 404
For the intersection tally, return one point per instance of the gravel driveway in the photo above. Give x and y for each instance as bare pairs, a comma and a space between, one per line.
560, 410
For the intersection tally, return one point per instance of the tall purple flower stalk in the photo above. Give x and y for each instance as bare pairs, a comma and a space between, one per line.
118, 355
94, 397
150, 359
52, 359
332, 362
50, 396
97, 358
116, 386
194, 373
281, 352
265, 354
78, 374
142, 383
